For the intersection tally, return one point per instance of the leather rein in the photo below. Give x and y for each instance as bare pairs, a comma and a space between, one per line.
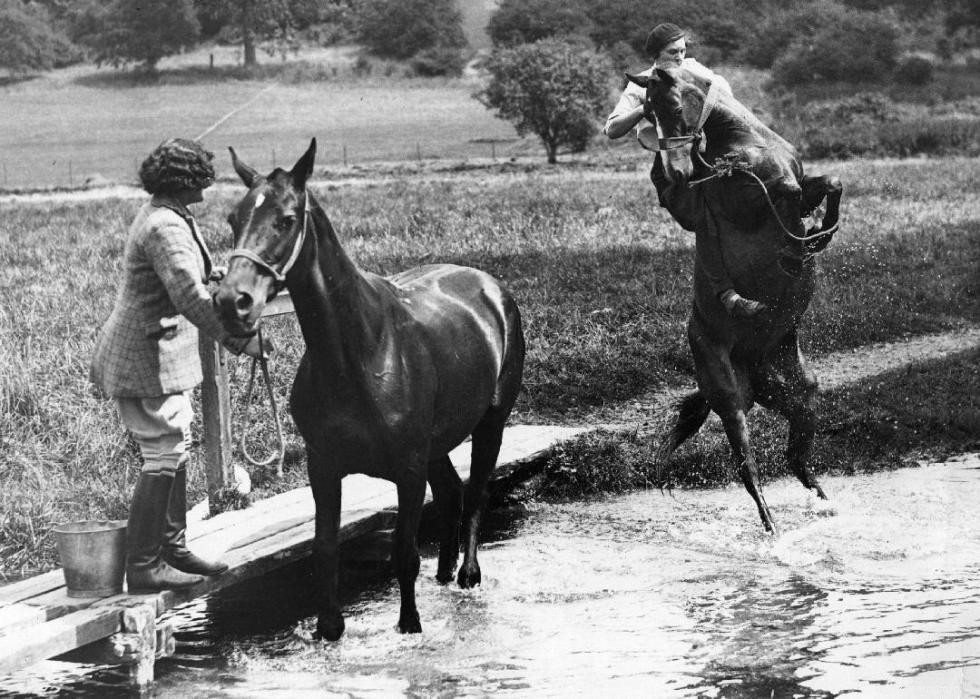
728, 164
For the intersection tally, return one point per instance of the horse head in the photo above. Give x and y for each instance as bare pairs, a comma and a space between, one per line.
270, 226
675, 102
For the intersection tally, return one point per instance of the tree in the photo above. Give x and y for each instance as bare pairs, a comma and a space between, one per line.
550, 88
864, 49
144, 31
716, 26
256, 21
27, 40
402, 28
523, 22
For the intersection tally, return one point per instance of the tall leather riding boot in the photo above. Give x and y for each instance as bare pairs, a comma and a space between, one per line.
175, 550
146, 571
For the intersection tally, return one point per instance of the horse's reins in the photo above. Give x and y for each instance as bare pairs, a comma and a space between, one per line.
278, 456
279, 277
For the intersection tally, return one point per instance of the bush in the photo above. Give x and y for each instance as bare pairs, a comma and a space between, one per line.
784, 26
28, 42
551, 88
718, 26
872, 125
521, 22
914, 70
401, 29
438, 60
862, 50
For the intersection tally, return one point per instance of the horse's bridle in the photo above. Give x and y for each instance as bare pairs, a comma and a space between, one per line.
279, 275
710, 100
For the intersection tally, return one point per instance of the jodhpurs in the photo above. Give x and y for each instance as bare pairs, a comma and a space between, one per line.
161, 426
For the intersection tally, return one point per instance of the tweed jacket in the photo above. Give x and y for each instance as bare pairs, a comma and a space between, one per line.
149, 345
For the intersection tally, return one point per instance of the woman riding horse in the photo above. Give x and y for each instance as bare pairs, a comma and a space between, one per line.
667, 45
753, 196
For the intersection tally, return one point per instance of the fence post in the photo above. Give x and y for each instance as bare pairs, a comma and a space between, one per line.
216, 416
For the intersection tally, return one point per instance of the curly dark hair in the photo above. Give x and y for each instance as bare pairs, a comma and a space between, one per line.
176, 164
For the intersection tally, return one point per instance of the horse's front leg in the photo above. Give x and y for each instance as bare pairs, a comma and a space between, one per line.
325, 482
411, 495
720, 386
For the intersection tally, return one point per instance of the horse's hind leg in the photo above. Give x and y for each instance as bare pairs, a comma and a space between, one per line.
486, 446
411, 495
690, 413
447, 493
721, 388
789, 387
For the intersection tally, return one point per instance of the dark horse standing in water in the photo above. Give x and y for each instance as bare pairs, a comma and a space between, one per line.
397, 372
754, 197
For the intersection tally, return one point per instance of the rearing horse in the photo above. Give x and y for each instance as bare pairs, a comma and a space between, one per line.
397, 372
753, 197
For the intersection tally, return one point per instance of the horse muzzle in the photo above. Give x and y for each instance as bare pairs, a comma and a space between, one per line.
241, 297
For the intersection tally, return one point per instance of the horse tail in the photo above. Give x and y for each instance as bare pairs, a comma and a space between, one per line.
690, 413
512, 364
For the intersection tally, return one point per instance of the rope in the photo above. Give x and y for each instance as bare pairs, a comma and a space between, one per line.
277, 456
730, 163
234, 111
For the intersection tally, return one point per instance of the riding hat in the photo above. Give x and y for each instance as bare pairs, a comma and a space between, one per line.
660, 36
177, 164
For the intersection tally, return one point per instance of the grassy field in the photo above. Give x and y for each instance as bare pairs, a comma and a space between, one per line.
601, 273
61, 134
67, 126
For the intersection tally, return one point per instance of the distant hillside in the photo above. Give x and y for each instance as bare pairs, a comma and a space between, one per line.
476, 14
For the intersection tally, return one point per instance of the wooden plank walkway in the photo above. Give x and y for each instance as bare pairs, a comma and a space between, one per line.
38, 620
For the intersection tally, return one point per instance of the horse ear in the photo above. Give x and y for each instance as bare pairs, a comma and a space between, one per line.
248, 174
665, 76
303, 169
640, 80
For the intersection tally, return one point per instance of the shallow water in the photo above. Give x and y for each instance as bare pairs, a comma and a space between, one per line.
645, 594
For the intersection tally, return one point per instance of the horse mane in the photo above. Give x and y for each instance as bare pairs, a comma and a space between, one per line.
734, 115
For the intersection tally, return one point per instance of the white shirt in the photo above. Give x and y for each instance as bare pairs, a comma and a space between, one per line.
647, 133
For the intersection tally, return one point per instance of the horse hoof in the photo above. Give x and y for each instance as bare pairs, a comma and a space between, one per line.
444, 577
468, 578
410, 623
330, 630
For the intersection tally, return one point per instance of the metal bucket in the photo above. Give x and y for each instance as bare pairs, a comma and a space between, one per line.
93, 556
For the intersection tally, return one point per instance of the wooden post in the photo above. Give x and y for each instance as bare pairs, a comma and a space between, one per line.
141, 621
216, 416
123, 648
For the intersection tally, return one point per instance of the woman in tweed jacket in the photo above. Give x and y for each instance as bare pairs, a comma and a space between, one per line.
146, 358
